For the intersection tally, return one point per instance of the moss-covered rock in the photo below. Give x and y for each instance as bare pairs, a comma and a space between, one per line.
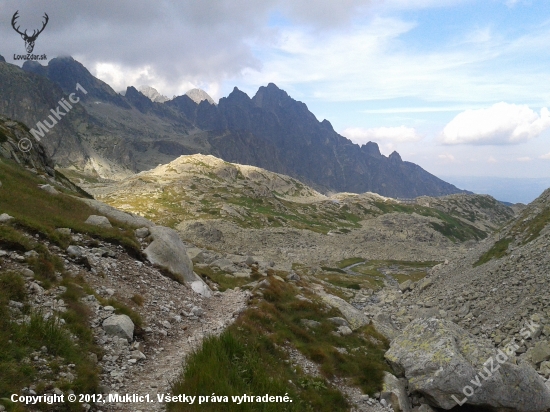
450, 366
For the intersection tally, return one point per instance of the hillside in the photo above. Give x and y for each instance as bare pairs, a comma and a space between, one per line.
237, 208
110, 136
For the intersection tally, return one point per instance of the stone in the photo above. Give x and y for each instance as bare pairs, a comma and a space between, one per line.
355, 318
118, 215
168, 251
293, 277
539, 353
394, 392
100, 221
75, 251
201, 288
166, 324
344, 330
138, 355
439, 359
49, 189
405, 286
545, 369
4, 217
142, 232
119, 325
197, 311
27, 272
65, 231
425, 284
195, 254
310, 323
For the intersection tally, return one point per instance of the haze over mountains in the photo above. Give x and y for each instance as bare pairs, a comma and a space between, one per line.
113, 136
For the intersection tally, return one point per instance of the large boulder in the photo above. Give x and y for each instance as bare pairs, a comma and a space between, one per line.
355, 317
119, 325
394, 392
97, 220
450, 366
168, 251
119, 215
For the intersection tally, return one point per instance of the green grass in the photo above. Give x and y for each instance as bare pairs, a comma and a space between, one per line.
20, 340
40, 212
401, 270
498, 250
223, 279
451, 226
530, 229
329, 269
247, 357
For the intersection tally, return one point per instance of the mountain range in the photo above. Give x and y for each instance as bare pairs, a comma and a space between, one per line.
111, 136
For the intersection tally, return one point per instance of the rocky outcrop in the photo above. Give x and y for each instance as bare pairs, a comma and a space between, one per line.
355, 317
100, 221
17, 144
123, 217
449, 366
168, 251
394, 392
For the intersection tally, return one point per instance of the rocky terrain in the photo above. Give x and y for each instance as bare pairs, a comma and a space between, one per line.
210, 202
361, 302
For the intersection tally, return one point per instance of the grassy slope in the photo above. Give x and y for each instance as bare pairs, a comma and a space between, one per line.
40, 213
248, 356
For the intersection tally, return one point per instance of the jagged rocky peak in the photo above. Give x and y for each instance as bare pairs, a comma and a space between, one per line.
269, 94
2, 59
35, 67
395, 157
198, 95
152, 94
371, 149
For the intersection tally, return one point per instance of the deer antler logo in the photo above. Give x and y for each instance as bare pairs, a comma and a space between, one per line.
29, 40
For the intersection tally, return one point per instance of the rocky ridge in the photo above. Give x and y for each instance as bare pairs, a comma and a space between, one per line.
110, 136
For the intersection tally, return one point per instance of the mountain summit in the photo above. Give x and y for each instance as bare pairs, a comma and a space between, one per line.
198, 95
152, 94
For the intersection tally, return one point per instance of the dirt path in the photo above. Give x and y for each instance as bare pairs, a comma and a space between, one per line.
165, 357
175, 321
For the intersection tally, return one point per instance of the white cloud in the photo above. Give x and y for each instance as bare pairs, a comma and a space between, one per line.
546, 156
399, 134
447, 157
491, 159
499, 124
524, 159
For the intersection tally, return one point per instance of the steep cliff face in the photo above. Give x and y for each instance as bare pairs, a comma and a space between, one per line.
111, 136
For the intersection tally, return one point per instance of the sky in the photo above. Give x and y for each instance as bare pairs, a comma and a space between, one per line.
460, 87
